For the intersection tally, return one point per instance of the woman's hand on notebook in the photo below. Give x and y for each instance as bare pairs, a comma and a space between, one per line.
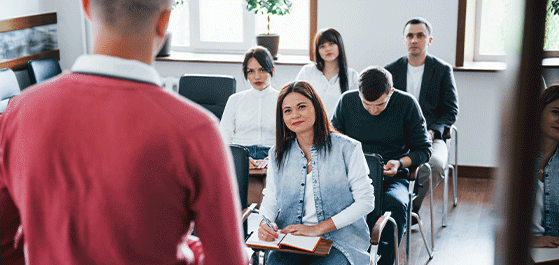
310, 230
545, 242
266, 233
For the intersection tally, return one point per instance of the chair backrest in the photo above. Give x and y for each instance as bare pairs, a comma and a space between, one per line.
210, 91
9, 87
375, 163
240, 158
43, 69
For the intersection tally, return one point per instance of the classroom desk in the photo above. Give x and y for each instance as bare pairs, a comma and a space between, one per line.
256, 183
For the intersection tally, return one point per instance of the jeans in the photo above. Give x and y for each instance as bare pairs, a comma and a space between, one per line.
335, 258
257, 152
439, 157
396, 200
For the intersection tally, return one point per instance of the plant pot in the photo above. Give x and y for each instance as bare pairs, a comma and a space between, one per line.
271, 42
166, 48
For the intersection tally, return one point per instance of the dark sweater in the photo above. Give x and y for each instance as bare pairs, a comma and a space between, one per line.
396, 132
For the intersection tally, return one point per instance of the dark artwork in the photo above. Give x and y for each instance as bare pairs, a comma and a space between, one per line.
24, 42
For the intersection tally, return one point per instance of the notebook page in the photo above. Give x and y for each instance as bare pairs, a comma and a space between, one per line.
254, 241
307, 243
544, 254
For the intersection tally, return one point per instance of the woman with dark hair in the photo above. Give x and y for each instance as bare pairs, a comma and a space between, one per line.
317, 182
330, 75
545, 228
248, 118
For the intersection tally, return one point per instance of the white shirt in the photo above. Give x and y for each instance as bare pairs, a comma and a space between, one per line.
360, 186
537, 229
249, 118
116, 67
329, 91
414, 79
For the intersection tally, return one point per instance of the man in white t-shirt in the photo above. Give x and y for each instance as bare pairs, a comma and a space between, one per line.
431, 81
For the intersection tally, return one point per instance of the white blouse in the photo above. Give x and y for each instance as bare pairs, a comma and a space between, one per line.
249, 118
329, 91
360, 186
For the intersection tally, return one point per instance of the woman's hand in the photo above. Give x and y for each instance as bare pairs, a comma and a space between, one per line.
257, 164
545, 242
391, 168
265, 233
302, 230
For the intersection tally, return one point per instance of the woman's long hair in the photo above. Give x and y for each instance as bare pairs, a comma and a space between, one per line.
333, 36
322, 128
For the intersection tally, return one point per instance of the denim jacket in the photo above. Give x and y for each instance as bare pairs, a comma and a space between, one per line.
548, 215
331, 193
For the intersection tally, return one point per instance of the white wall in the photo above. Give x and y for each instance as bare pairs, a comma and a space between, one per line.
69, 23
372, 32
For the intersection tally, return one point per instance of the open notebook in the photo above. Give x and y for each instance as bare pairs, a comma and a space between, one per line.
544, 255
306, 243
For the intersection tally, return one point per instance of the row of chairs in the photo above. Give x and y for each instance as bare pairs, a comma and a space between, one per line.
39, 70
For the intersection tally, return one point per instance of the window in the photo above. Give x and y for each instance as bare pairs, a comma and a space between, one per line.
483, 27
225, 26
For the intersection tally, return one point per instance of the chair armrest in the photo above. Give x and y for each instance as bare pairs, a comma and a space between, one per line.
247, 211
379, 226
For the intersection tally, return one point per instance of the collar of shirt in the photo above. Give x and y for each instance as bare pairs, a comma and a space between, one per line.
261, 93
116, 67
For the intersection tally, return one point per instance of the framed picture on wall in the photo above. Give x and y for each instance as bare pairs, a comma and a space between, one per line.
27, 38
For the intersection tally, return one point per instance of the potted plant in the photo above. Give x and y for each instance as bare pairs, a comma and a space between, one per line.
269, 7
166, 48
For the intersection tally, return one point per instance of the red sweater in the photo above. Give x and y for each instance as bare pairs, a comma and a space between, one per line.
112, 171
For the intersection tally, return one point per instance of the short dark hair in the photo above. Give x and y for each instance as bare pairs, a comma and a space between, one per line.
333, 36
419, 20
549, 95
263, 56
129, 15
321, 127
374, 81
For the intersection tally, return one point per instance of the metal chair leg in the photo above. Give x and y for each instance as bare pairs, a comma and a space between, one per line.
455, 166
408, 229
445, 195
429, 250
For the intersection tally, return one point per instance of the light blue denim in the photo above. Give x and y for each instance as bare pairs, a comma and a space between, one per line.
285, 258
331, 190
550, 211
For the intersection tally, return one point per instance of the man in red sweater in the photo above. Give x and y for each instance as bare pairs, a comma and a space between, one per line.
107, 168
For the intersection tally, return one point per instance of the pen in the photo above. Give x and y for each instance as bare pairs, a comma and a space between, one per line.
268, 222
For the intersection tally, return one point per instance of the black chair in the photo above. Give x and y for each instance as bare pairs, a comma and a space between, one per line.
210, 91
9, 87
240, 157
43, 69
377, 219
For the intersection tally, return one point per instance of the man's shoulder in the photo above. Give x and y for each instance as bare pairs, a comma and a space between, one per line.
438, 62
350, 95
398, 63
403, 97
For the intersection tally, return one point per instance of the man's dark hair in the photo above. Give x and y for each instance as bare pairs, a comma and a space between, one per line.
374, 81
264, 58
419, 20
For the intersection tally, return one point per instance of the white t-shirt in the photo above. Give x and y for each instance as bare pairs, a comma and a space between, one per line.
329, 91
249, 118
415, 76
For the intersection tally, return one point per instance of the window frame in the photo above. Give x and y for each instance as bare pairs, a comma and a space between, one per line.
249, 36
466, 32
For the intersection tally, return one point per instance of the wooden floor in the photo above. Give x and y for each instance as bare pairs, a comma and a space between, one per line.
469, 235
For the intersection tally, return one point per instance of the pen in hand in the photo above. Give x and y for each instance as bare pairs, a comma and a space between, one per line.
268, 222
